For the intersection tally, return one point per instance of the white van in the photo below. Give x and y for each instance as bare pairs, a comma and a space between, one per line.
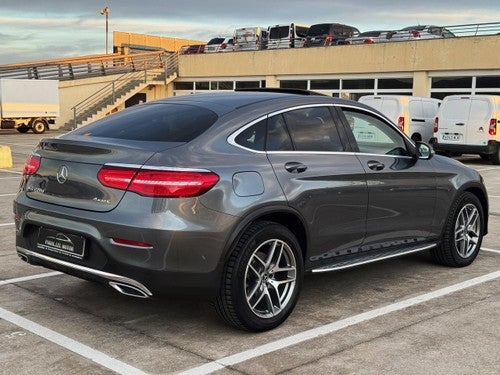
287, 36
250, 39
469, 124
413, 114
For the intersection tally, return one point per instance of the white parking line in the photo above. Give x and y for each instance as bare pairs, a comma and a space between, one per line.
487, 169
493, 196
9, 178
28, 278
7, 195
334, 326
6, 224
70, 344
490, 250
6, 170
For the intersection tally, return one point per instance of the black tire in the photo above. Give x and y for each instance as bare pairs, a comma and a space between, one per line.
38, 126
462, 234
22, 129
251, 272
485, 156
495, 158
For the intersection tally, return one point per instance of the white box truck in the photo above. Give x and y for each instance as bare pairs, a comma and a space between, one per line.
28, 104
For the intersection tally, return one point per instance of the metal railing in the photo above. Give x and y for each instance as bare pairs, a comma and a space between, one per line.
475, 29
126, 83
88, 66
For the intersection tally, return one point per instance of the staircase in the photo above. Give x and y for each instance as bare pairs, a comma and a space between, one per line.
117, 92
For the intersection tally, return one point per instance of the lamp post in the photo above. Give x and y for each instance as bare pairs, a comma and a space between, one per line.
105, 11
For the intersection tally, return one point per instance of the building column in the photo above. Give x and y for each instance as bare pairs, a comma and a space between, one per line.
421, 84
272, 81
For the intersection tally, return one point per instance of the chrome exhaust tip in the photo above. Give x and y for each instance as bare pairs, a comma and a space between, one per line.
129, 290
24, 258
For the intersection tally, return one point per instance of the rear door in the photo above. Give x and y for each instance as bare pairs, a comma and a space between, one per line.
478, 123
320, 180
453, 117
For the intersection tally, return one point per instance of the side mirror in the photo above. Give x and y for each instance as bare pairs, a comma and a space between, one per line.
424, 151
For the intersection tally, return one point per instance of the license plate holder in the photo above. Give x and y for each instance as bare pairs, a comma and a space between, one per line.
58, 242
452, 137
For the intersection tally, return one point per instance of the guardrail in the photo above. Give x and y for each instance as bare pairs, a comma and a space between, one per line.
475, 29
86, 67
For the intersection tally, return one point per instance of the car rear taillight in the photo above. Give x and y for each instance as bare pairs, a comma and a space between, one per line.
223, 46
415, 33
436, 124
493, 127
401, 123
328, 40
368, 41
32, 164
151, 183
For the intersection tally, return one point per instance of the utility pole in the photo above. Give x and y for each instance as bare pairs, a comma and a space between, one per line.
106, 11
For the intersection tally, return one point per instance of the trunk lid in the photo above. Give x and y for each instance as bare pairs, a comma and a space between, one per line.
67, 175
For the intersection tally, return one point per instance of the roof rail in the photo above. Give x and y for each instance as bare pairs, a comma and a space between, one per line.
282, 90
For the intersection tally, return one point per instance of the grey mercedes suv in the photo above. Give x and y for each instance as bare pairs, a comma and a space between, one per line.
235, 196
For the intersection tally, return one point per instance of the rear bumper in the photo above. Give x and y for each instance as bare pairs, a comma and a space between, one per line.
489, 149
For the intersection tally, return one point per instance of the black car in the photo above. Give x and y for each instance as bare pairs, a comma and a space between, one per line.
329, 34
235, 196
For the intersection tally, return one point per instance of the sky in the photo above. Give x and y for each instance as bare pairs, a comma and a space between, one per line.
33, 30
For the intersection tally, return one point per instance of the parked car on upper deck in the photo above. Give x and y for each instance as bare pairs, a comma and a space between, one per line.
329, 34
193, 49
422, 32
287, 36
370, 37
219, 45
250, 38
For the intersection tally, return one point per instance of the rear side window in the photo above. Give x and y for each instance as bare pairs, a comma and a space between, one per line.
313, 129
153, 122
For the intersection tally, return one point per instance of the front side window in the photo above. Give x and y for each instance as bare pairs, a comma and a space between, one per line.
374, 136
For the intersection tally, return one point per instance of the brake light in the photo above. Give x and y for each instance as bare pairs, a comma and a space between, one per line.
493, 127
223, 46
436, 124
32, 165
328, 40
368, 41
401, 123
150, 183
415, 33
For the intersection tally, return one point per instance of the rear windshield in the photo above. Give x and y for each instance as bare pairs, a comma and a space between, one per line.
320, 29
279, 32
216, 41
153, 122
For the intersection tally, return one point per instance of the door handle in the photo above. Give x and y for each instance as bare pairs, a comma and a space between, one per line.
460, 123
375, 165
295, 167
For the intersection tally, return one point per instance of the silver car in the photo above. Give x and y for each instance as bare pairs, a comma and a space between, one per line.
235, 196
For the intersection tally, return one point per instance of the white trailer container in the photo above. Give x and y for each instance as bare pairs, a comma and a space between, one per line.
28, 104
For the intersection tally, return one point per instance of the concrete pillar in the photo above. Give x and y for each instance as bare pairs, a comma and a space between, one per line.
421, 84
272, 81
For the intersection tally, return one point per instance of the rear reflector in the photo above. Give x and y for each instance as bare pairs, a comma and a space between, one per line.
167, 184
131, 243
32, 164
436, 124
493, 127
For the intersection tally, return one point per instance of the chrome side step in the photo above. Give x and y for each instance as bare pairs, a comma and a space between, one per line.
370, 259
124, 285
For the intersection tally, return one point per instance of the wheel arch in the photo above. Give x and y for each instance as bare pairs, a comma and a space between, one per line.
483, 198
283, 215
